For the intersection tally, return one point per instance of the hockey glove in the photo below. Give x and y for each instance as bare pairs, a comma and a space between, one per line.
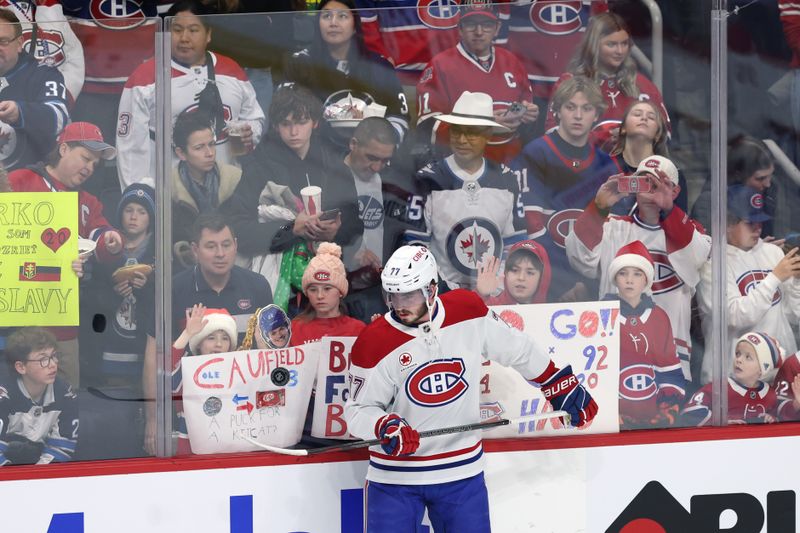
667, 415
23, 451
397, 437
564, 393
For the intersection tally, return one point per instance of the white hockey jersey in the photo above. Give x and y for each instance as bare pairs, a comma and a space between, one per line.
757, 300
679, 251
136, 122
433, 381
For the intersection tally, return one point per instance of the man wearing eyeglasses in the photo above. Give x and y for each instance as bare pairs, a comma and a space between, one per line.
38, 411
33, 100
475, 64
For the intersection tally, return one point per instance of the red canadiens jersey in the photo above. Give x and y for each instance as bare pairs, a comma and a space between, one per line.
745, 405
790, 19
454, 71
616, 103
649, 366
544, 35
314, 330
783, 388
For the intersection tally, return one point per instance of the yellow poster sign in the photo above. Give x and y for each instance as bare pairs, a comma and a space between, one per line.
38, 242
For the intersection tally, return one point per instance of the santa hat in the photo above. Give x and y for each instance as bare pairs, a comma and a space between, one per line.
633, 254
327, 268
768, 350
218, 319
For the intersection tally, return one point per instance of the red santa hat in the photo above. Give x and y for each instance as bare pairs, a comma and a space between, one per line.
217, 319
768, 350
633, 254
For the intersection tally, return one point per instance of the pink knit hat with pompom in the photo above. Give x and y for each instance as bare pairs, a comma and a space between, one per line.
327, 267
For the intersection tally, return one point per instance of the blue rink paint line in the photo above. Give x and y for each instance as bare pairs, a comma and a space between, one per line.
66, 523
241, 514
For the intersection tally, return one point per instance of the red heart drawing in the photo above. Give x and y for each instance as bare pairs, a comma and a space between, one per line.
55, 240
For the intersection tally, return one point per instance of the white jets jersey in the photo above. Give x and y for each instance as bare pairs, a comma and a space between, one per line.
432, 379
136, 123
679, 250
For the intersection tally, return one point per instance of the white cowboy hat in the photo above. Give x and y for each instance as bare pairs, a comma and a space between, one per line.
473, 109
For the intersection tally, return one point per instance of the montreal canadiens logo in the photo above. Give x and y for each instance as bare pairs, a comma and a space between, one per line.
666, 279
370, 210
469, 240
637, 382
222, 135
439, 14
437, 383
51, 53
322, 276
560, 224
556, 18
748, 281
117, 14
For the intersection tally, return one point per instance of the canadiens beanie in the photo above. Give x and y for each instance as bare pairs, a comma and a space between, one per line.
143, 195
217, 319
633, 254
326, 267
768, 350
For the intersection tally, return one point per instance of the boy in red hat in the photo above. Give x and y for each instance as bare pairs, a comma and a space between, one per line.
651, 383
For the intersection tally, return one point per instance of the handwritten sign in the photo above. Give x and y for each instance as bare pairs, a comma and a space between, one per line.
332, 388
38, 242
585, 335
260, 394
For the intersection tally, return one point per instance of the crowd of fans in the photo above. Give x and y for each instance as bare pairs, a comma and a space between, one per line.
536, 166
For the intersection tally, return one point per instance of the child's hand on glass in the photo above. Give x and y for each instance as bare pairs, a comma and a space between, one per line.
488, 281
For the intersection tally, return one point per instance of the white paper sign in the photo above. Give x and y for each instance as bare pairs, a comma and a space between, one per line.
585, 335
332, 388
261, 394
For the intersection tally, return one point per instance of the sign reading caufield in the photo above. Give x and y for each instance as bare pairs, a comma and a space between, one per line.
702, 487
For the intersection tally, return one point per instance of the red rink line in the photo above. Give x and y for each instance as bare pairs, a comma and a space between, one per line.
256, 459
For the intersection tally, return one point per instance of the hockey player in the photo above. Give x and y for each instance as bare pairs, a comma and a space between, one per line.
475, 64
675, 242
417, 368
202, 81
38, 411
468, 203
651, 384
558, 175
33, 100
751, 398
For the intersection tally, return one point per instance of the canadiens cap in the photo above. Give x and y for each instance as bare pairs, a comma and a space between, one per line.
478, 9
89, 136
746, 203
649, 165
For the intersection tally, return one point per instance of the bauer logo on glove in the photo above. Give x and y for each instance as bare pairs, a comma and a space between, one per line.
564, 393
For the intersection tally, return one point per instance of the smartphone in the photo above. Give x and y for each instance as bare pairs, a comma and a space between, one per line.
791, 240
330, 214
634, 184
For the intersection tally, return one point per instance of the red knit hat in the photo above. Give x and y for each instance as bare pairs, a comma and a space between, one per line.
633, 254
326, 267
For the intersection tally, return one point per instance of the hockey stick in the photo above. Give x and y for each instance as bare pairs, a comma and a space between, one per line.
422, 434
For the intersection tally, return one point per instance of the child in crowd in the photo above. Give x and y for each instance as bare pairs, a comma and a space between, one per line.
526, 279
38, 410
763, 288
751, 399
651, 383
325, 285
207, 331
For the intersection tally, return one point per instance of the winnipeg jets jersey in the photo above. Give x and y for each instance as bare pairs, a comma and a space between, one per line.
679, 250
136, 123
466, 216
430, 377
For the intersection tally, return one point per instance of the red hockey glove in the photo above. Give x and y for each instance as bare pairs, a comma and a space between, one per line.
397, 437
564, 393
666, 416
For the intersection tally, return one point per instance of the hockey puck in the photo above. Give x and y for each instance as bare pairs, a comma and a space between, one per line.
212, 406
280, 376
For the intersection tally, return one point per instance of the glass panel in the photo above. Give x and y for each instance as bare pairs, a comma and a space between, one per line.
82, 253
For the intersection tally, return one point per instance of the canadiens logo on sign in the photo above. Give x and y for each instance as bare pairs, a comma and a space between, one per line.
439, 14
666, 279
556, 18
437, 383
117, 14
560, 224
637, 382
748, 281
370, 211
469, 240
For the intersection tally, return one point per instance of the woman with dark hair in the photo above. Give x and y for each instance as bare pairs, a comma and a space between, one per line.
604, 56
749, 163
344, 75
642, 133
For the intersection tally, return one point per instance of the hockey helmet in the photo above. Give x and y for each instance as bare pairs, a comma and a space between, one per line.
409, 269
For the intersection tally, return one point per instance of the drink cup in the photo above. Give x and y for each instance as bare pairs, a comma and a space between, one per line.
312, 199
235, 130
